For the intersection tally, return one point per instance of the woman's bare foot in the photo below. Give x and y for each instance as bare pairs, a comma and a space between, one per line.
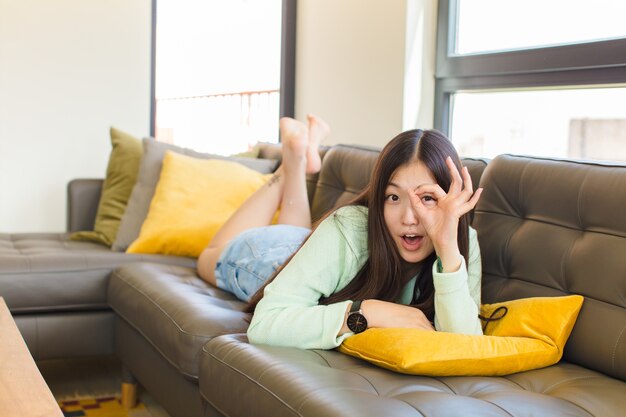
295, 140
318, 131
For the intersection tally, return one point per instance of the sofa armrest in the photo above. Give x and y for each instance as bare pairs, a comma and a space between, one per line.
83, 196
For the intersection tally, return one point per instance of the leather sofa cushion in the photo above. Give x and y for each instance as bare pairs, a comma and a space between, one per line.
46, 272
552, 227
67, 335
174, 310
296, 382
346, 170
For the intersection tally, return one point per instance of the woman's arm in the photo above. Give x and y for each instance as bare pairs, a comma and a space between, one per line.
457, 286
386, 314
457, 294
289, 313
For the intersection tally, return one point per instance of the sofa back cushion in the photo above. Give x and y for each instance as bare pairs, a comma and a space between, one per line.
346, 170
552, 227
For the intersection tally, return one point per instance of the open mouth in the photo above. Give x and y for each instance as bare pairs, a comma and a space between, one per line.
412, 242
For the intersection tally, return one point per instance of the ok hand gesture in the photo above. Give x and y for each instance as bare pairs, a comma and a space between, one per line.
439, 212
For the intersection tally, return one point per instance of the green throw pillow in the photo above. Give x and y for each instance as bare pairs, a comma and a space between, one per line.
120, 178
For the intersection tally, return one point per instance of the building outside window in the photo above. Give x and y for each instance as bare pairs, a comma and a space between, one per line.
217, 73
533, 77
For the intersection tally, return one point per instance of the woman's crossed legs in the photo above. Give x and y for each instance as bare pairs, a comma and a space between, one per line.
285, 190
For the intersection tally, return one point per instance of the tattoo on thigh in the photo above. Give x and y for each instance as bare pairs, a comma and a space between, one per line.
275, 178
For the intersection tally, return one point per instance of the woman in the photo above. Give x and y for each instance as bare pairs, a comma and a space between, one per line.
401, 254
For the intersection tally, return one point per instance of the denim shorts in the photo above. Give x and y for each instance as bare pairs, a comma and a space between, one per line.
252, 257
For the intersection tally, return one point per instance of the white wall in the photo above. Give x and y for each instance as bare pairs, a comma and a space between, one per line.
69, 69
419, 65
361, 63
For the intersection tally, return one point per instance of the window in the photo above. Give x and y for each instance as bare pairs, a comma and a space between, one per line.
569, 123
222, 72
500, 25
530, 78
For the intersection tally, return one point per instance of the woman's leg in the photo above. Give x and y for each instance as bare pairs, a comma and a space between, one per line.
294, 205
318, 131
286, 189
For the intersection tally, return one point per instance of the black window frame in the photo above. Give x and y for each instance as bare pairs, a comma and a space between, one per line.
287, 62
597, 63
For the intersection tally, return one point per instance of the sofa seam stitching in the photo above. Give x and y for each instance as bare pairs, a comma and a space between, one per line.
259, 384
362, 376
579, 202
495, 405
515, 382
506, 250
59, 271
366, 380
567, 255
499, 213
615, 347
520, 193
557, 384
153, 302
195, 377
334, 187
575, 405
219, 409
150, 340
546, 222
544, 392
447, 386
410, 405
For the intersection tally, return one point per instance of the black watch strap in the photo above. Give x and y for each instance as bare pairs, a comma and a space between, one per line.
356, 306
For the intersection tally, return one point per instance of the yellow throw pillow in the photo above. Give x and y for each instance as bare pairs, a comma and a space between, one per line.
530, 336
121, 176
192, 200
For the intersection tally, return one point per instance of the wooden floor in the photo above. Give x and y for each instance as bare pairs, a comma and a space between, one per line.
90, 377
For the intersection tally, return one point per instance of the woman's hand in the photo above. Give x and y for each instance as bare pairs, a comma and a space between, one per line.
440, 211
386, 314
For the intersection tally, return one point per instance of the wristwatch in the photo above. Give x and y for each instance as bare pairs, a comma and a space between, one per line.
357, 323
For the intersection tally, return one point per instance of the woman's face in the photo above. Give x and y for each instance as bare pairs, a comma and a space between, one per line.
401, 220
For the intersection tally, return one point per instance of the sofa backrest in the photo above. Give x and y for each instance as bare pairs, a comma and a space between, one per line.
83, 198
552, 227
346, 170
342, 177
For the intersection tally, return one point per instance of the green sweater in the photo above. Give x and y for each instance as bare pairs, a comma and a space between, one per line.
289, 313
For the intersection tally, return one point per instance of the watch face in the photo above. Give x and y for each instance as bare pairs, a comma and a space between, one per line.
357, 322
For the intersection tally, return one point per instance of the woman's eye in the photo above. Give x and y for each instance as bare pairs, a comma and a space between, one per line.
392, 197
428, 200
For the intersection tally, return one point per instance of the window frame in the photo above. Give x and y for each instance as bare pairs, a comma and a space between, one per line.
287, 62
597, 64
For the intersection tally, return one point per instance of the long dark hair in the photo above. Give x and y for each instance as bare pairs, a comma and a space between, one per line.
381, 277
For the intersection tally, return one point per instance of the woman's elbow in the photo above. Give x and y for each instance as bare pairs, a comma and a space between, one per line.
255, 334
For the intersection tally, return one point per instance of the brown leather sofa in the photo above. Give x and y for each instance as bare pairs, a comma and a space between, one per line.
546, 227
56, 288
